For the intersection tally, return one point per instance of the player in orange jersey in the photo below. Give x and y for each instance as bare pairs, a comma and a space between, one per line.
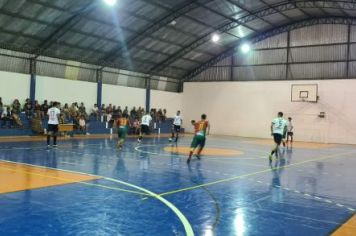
202, 128
122, 125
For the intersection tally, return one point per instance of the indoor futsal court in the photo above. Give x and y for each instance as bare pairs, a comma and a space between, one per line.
184, 117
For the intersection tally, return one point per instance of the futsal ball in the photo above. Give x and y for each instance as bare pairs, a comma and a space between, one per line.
170, 139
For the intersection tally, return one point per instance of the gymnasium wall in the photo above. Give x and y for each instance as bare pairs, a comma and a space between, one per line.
14, 85
247, 108
65, 91
123, 96
171, 101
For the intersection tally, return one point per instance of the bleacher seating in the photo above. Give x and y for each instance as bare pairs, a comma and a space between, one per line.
94, 127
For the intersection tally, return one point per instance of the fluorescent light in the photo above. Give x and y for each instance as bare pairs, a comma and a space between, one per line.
245, 48
215, 38
110, 2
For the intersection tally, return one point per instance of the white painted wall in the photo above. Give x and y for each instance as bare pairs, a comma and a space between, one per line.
172, 102
247, 108
123, 96
65, 91
14, 85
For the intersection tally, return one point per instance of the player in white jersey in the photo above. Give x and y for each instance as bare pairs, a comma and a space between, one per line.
145, 125
177, 123
278, 127
289, 130
53, 121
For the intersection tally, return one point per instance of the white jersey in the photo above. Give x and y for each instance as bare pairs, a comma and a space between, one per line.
278, 125
53, 113
289, 126
177, 120
146, 119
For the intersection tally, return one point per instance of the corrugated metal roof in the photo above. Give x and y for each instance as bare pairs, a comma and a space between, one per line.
167, 38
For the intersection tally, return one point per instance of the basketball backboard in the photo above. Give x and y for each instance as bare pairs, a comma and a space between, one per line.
304, 93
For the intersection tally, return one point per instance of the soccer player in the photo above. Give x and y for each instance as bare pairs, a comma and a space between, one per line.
145, 125
53, 121
289, 130
278, 127
202, 128
177, 123
122, 125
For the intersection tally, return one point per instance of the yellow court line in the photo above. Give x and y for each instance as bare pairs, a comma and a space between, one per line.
253, 173
187, 226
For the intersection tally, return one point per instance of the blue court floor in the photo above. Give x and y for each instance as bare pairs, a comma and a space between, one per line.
148, 189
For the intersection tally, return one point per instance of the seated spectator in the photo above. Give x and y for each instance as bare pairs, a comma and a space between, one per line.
27, 108
133, 113
82, 110
6, 117
126, 110
61, 119
36, 124
37, 109
66, 112
16, 107
73, 110
109, 109
1, 106
136, 126
95, 112
15, 113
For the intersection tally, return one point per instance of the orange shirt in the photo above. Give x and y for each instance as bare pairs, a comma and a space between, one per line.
200, 127
121, 122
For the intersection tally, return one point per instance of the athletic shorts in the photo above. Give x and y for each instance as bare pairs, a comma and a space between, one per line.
290, 133
176, 128
145, 129
52, 128
198, 140
277, 138
121, 133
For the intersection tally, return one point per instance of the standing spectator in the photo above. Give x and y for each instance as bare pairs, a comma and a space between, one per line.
95, 112
53, 121
44, 109
82, 125
164, 115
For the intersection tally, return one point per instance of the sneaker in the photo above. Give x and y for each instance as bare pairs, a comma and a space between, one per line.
197, 156
139, 140
48, 145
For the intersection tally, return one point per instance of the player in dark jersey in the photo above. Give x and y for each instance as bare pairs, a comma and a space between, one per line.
202, 128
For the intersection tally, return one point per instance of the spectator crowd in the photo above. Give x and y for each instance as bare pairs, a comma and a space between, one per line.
75, 113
